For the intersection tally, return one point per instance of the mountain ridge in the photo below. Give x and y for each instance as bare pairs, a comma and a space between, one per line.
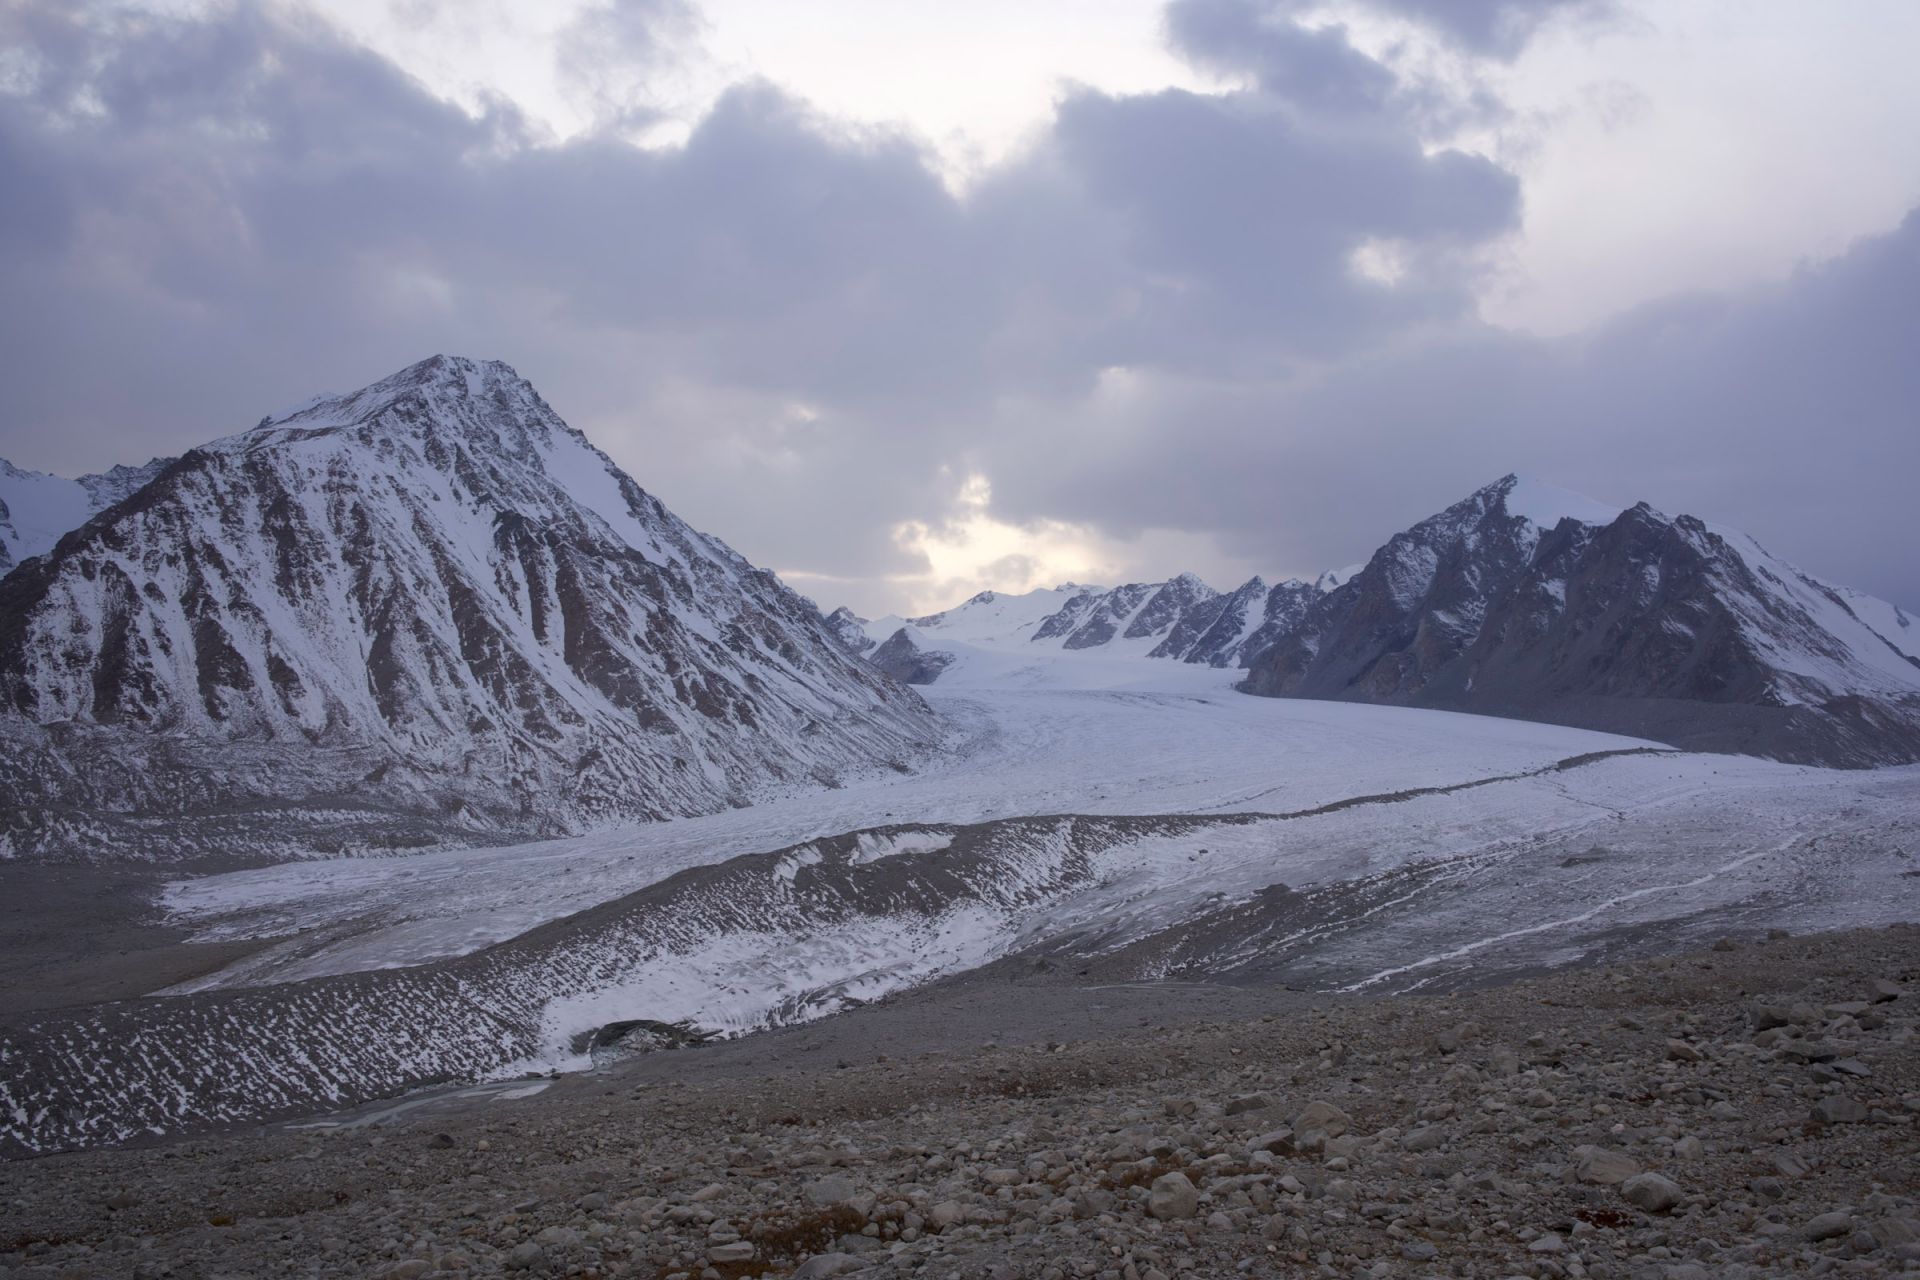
432, 596
1658, 626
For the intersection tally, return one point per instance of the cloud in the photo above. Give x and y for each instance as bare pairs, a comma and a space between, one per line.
1180, 321
1496, 28
1784, 410
611, 55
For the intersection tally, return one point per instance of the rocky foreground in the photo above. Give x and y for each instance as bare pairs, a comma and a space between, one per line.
1750, 1111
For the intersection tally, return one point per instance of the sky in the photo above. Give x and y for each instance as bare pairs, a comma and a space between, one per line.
909, 299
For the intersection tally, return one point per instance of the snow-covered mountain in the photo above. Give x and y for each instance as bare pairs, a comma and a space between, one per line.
36, 509
1182, 619
1525, 600
430, 605
850, 629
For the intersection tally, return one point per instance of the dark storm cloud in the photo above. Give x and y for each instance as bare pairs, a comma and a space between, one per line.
250, 205
799, 336
1788, 411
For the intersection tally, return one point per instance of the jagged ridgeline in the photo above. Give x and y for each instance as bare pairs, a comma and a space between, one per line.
1524, 601
1520, 600
426, 611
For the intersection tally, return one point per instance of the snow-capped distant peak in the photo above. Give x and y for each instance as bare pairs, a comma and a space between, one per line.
1545, 505
36, 509
1335, 577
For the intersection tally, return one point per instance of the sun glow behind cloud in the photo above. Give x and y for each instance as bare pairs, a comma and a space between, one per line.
970, 550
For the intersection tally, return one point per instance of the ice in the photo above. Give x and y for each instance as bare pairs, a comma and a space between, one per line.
1033, 731
40, 508
1546, 505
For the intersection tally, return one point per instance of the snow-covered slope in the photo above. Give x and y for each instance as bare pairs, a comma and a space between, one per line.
1182, 619
432, 599
1525, 600
37, 509
990, 617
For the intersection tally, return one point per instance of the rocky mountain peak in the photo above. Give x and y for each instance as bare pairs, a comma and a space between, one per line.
437, 583
1523, 599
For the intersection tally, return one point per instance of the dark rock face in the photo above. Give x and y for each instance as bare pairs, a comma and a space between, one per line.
848, 628
1192, 621
1655, 626
1183, 603
900, 658
1285, 605
1068, 619
1212, 633
432, 600
1109, 615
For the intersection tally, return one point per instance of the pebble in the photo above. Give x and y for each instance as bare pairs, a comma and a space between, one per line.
1652, 1192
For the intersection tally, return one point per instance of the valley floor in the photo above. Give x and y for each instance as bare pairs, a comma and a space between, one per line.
1125, 821
1749, 1110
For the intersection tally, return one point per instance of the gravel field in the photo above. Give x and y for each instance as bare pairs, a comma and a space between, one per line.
1751, 1110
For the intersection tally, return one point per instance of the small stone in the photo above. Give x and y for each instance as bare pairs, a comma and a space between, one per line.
737, 1251
1322, 1117
525, 1256
1603, 1166
948, 1213
1247, 1102
1837, 1108
1430, 1138
411, 1269
712, 1191
1651, 1192
1548, 1243
1681, 1051
1689, 1148
1173, 1196
1788, 1165
1880, 991
1279, 1142
1830, 1225
832, 1189
821, 1266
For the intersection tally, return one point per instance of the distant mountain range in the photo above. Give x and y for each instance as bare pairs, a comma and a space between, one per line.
1630, 621
1520, 600
427, 610
431, 611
